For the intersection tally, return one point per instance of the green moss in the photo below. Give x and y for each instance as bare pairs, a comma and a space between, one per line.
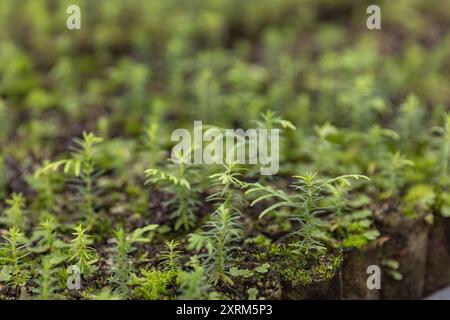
259, 240
155, 284
355, 241
418, 200
302, 270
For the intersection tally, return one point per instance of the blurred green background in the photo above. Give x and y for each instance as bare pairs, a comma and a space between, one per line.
220, 61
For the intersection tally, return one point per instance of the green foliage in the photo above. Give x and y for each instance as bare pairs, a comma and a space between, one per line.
443, 144
84, 155
354, 102
410, 123
155, 284
351, 221
262, 268
444, 204
376, 140
302, 272
81, 253
14, 215
104, 294
46, 283
184, 200
12, 255
252, 293
170, 258
47, 236
246, 273
391, 267
419, 200
227, 187
124, 245
323, 149
269, 120
2, 176
195, 285
219, 238
82, 166
363, 100
305, 206
223, 229
357, 229
44, 184
152, 140
392, 175
260, 240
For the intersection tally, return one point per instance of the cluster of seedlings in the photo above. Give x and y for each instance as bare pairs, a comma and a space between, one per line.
92, 207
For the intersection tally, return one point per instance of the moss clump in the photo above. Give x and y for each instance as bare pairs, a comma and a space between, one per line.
301, 270
355, 241
418, 200
155, 284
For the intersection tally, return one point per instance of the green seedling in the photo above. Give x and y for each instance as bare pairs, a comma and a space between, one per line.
170, 258
392, 175
219, 238
184, 199
12, 256
195, 285
305, 208
81, 253
122, 262
81, 166
227, 188
14, 215
46, 233
46, 283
